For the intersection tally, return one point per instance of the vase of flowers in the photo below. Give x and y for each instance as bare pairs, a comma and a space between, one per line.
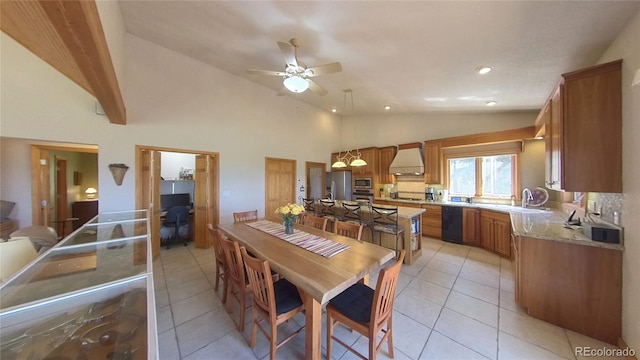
289, 214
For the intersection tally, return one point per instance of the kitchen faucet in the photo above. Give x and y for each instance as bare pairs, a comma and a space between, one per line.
526, 197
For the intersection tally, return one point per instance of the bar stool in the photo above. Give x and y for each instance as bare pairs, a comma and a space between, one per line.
384, 220
351, 212
309, 204
328, 210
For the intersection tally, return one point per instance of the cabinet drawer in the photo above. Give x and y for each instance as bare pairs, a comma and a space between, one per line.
499, 216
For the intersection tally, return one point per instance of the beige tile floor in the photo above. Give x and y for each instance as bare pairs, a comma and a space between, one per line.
455, 302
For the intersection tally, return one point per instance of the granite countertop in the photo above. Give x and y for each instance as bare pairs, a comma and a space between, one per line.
545, 224
403, 212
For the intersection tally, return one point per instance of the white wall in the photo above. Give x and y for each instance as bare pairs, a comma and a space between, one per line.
171, 162
627, 47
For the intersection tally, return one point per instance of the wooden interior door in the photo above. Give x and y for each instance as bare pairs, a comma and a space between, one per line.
149, 193
62, 207
204, 199
40, 193
280, 185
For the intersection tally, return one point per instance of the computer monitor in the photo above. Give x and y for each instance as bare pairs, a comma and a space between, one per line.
168, 201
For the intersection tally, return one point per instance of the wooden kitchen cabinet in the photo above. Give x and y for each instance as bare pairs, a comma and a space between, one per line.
583, 132
496, 232
385, 157
577, 287
471, 226
370, 155
432, 163
432, 221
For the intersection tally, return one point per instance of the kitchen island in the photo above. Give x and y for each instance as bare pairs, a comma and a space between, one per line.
409, 218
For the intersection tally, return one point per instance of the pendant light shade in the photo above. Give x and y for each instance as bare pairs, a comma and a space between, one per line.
348, 158
296, 84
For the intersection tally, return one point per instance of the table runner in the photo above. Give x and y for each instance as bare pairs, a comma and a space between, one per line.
314, 243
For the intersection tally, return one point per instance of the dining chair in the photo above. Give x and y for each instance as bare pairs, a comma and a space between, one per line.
220, 263
366, 311
384, 220
348, 229
245, 216
273, 302
316, 222
238, 287
328, 210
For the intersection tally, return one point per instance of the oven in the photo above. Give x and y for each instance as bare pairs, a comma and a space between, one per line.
363, 184
363, 195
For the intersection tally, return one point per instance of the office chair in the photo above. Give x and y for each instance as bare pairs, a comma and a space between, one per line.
175, 225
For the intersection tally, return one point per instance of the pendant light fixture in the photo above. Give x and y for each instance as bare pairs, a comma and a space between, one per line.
354, 159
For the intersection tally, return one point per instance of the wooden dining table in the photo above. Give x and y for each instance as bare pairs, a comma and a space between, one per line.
318, 278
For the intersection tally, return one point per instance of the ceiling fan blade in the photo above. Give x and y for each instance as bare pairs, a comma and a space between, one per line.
265, 72
283, 91
313, 86
287, 52
324, 69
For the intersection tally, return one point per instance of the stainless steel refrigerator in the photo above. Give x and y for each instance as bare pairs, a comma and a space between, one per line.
338, 185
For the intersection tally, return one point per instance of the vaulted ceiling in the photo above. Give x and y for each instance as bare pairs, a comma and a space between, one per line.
416, 56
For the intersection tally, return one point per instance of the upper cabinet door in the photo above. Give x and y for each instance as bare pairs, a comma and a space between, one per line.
584, 139
385, 157
432, 163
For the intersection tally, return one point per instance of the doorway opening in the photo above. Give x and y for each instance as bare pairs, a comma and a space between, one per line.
204, 177
315, 174
60, 174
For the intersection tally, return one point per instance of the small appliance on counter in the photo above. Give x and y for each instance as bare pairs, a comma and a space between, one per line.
601, 232
443, 196
430, 194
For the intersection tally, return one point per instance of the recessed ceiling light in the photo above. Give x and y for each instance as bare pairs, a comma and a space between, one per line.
483, 69
334, 110
387, 107
491, 103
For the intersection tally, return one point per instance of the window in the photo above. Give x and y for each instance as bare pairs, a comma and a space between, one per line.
491, 176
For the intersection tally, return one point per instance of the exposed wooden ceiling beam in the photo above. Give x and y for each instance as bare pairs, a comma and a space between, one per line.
68, 35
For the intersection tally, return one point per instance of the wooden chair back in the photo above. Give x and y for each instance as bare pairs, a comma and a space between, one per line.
245, 216
385, 293
316, 222
261, 284
348, 229
233, 259
217, 249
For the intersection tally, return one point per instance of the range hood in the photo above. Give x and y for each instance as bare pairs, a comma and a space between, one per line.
407, 161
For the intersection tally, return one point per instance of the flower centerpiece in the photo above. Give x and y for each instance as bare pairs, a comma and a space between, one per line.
289, 214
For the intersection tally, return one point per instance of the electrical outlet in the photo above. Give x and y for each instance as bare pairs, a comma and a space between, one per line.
591, 206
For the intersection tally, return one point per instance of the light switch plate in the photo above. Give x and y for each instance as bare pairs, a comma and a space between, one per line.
591, 206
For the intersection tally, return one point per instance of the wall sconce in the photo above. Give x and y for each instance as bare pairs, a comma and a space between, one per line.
91, 193
118, 171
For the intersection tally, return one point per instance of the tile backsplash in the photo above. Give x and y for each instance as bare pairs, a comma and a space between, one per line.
607, 203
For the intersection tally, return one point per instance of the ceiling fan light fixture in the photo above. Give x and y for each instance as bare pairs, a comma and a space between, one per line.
296, 84
483, 69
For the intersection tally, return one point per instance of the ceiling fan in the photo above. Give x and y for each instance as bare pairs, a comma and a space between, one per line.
296, 76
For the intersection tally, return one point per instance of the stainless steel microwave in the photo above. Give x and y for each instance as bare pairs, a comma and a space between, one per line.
362, 183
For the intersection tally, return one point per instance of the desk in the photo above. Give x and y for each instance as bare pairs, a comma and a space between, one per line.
319, 279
